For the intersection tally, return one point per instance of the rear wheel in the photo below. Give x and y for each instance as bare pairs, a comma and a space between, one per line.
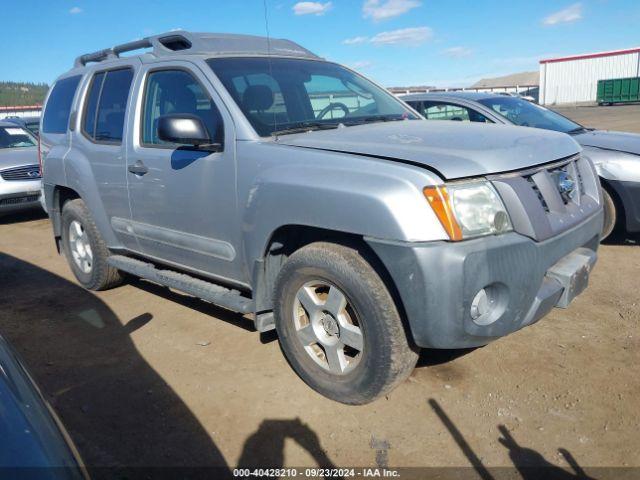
610, 215
85, 249
338, 325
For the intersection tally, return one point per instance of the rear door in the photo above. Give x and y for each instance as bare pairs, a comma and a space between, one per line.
183, 200
54, 135
101, 141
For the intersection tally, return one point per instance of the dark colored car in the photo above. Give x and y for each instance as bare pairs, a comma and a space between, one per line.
616, 155
33, 442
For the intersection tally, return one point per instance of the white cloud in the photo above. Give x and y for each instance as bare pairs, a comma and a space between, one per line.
361, 65
379, 10
355, 40
311, 8
410, 37
458, 52
571, 14
75, 10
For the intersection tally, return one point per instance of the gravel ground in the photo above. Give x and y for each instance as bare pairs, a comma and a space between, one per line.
142, 376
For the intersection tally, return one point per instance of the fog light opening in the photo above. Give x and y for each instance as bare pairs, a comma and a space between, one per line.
485, 306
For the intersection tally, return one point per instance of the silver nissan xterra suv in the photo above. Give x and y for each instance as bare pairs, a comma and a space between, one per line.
255, 175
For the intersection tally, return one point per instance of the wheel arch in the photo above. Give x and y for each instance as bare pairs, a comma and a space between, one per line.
59, 196
287, 239
621, 216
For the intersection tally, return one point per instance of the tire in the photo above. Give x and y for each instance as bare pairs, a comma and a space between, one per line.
610, 215
321, 272
99, 275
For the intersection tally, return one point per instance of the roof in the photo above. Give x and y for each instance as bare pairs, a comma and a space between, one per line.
180, 42
7, 123
475, 96
517, 79
585, 56
410, 89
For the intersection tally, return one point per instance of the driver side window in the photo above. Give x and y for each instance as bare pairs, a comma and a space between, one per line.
175, 92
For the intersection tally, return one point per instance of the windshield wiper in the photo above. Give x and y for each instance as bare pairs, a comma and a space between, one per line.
305, 127
579, 130
376, 118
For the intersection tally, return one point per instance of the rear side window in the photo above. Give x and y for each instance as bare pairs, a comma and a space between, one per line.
58, 109
106, 105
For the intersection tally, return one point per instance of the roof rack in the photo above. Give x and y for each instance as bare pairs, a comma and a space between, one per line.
215, 44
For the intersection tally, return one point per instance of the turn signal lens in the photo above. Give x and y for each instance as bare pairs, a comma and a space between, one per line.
438, 198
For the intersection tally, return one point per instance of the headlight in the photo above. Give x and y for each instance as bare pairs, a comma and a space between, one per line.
468, 210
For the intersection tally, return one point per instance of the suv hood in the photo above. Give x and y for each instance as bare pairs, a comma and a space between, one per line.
453, 150
18, 157
619, 141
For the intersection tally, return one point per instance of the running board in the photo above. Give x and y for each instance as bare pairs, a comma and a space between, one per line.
207, 291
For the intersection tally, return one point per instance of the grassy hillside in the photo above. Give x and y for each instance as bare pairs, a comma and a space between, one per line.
15, 93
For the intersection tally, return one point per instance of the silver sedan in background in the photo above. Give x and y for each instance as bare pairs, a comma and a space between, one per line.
616, 155
20, 178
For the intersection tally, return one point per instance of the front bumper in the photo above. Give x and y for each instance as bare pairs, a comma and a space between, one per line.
21, 195
437, 281
629, 194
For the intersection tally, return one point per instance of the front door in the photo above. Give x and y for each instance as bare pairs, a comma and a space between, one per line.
183, 200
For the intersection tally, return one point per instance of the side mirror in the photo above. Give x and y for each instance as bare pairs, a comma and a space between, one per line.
185, 129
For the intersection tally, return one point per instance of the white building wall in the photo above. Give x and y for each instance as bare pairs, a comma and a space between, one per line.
576, 80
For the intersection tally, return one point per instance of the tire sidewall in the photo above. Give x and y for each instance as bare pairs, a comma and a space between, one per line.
364, 381
610, 213
70, 212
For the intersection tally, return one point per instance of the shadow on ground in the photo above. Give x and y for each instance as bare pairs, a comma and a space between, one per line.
623, 238
118, 410
23, 216
432, 357
265, 448
530, 464
126, 421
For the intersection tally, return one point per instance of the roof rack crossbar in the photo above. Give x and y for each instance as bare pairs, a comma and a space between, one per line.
113, 52
199, 43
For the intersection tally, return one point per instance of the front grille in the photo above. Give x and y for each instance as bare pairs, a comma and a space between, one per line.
19, 200
547, 200
26, 172
535, 188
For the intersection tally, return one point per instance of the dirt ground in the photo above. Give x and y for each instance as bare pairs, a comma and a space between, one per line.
625, 118
141, 376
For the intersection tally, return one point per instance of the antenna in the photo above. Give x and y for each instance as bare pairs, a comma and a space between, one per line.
266, 25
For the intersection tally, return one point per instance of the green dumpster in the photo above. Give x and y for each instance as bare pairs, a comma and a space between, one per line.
619, 90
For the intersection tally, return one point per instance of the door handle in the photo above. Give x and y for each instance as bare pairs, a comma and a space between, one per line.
138, 168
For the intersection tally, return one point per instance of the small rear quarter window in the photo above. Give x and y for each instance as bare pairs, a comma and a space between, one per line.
58, 108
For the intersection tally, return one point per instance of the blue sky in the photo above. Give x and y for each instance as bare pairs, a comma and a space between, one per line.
396, 42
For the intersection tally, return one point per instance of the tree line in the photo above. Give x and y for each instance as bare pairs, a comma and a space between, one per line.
22, 93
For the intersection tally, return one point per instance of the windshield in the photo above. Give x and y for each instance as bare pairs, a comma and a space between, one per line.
15, 137
527, 114
282, 94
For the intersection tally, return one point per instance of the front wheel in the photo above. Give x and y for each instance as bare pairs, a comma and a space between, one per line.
339, 326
